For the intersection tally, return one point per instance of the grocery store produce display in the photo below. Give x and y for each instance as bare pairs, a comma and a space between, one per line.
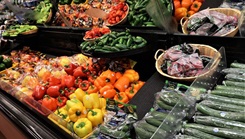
76, 88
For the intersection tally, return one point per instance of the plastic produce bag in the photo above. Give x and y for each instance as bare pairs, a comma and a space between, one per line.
162, 17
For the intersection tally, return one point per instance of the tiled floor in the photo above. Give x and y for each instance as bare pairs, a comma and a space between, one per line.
2, 136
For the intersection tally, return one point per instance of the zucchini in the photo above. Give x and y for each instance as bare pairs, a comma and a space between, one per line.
227, 100
234, 71
222, 114
229, 88
231, 94
219, 122
199, 134
236, 77
220, 132
223, 106
234, 84
238, 65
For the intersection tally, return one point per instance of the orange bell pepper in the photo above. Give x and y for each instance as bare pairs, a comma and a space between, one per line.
190, 13
180, 13
92, 89
138, 85
118, 75
122, 83
186, 3
195, 6
100, 82
121, 97
108, 91
177, 4
110, 76
130, 92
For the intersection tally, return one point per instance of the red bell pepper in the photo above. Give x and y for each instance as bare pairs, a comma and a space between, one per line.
49, 102
61, 101
69, 81
69, 68
79, 72
91, 78
53, 81
69, 91
77, 82
38, 92
84, 85
54, 91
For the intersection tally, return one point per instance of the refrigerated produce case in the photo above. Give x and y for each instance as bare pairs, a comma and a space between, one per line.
59, 41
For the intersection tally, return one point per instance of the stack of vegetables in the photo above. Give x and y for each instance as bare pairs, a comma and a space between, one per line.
75, 88
113, 42
221, 114
186, 8
165, 120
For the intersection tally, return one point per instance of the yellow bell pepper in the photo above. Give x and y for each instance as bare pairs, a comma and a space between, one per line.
72, 102
95, 116
88, 101
132, 75
82, 127
103, 110
76, 112
102, 102
96, 100
62, 113
79, 94
71, 96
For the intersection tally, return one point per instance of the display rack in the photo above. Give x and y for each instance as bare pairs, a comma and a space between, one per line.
45, 40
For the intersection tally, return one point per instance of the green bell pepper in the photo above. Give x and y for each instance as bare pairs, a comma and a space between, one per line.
7, 62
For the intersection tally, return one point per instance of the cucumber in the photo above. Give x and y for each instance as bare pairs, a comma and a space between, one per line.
234, 71
222, 114
156, 132
185, 137
163, 106
156, 123
235, 77
227, 100
238, 65
170, 98
222, 106
219, 122
159, 115
231, 94
229, 88
220, 132
167, 127
199, 134
234, 84
142, 133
